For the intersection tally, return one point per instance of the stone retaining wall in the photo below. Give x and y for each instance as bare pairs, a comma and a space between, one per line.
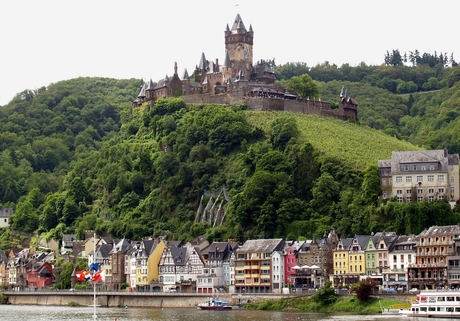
121, 299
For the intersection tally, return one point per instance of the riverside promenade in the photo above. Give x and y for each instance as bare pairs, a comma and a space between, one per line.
131, 299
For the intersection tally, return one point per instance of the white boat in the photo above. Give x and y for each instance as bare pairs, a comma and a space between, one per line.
435, 304
214, 303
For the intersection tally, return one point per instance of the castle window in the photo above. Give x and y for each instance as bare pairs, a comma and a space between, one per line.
398, 179
440, 178
408, 179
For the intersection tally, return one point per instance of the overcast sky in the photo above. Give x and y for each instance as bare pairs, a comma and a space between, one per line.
43, 42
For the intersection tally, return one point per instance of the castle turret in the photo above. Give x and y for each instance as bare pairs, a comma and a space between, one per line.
239, 46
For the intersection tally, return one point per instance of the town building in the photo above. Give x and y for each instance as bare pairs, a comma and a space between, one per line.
253, 265
432, 248
424, 175
5, 214
401, 255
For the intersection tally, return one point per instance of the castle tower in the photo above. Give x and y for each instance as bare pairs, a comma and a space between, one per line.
239, 46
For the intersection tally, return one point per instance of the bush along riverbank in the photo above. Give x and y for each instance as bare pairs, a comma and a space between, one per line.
326, 300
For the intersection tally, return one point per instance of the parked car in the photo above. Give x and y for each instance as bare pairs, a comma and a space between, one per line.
72, 290
413, 290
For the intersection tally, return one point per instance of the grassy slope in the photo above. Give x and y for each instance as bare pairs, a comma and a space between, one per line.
343, 304
349, 142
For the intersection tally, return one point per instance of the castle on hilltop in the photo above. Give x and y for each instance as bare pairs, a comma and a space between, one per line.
239, 80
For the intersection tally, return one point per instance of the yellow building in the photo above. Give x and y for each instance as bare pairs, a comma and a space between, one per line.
356, 255
154, 260
340, 257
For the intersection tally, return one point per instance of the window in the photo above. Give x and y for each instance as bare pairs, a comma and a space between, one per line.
384, 182
399, 192
441, 190
408, 191
431, 191
419, 178
423, 168
441, 178
400, 199
419, 198
419, 190
452, 178
408, 179
406, 167
431, 167
391, 181
414, 167
452, 190
398, 179
430, 198
430, 178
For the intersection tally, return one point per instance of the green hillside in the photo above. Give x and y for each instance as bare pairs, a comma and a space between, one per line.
348, 142
77, 156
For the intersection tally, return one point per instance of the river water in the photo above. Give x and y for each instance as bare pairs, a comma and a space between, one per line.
51, 313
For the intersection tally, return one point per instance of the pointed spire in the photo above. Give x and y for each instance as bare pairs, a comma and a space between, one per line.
227, 29
185, 75
342, 93
227, 62
203, 62
166, 78
175, 67
150, 86
142, 92
250, 28
238, 24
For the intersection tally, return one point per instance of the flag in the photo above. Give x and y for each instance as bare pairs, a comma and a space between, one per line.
87, 275
94, 267
99, 276
80, 275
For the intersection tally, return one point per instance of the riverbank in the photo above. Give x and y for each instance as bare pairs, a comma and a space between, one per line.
341, 304
122, 299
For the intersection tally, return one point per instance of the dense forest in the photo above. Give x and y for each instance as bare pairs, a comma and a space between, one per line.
76, 156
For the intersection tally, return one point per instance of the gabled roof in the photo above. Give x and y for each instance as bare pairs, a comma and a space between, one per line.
346, 242
122, 246
175, 243
262, 246
6, 211
448, 230
178, 255
362, 240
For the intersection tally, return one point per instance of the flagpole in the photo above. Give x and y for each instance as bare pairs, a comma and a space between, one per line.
94, 283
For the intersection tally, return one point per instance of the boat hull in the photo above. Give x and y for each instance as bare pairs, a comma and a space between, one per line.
204, 307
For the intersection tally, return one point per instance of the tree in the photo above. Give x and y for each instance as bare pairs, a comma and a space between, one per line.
364, 289
282, 130
304, 86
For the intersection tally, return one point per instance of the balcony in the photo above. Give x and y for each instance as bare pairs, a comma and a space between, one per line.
432, 265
